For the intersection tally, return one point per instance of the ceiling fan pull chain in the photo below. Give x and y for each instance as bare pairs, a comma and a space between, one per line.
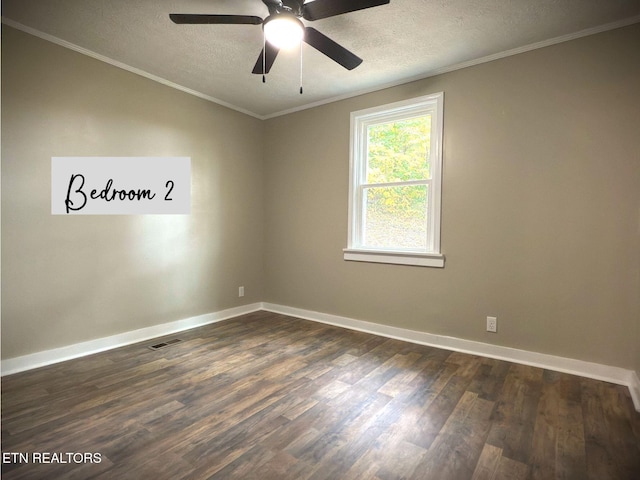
300, 68
264, 56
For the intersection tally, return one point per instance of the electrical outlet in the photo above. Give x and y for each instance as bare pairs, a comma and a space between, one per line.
241, 291
492, 324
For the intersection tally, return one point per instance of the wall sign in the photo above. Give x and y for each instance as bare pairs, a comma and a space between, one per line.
120, 185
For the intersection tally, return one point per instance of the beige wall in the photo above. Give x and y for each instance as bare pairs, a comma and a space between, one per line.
541, 205
72, 279
540, 209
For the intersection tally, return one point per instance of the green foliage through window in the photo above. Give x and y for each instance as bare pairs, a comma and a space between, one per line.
398, 152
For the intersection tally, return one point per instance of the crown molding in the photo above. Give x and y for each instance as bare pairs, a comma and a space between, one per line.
124, 66
427, 74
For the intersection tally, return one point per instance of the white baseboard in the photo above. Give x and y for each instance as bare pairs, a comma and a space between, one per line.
634, 389
56, 355
617, 375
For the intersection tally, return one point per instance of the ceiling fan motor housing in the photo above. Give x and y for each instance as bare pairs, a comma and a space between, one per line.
278, 6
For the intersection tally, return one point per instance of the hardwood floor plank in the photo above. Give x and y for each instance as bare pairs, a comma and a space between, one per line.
436, 414
487, 464
267, 396
545, 435
395, 457
408, 370
611, 446
515, 414
360, 434
570, 452
489, 379
456, 450
509, 469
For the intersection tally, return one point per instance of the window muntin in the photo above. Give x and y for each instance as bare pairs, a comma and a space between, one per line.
396, 159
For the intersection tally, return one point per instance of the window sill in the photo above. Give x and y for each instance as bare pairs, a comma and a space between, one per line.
398, 258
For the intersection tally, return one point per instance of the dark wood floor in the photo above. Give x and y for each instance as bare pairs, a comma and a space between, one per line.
266, 396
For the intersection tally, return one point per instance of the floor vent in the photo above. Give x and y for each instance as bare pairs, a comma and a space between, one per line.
166, 344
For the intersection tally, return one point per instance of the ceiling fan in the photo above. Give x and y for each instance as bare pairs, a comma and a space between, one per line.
284, 29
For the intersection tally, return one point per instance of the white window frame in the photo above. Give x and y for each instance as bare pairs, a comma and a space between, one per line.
431, 256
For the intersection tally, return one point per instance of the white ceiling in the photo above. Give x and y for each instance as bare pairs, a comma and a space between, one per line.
402, 41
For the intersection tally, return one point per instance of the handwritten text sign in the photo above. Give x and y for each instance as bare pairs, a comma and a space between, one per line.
120, 185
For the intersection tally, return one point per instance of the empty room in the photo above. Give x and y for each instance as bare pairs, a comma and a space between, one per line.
359, 239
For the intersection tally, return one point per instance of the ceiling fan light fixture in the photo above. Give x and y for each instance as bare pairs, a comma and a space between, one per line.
283, 30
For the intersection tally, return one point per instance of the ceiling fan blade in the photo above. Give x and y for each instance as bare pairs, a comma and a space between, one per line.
331, 49
271, 54
197, 19
328, 8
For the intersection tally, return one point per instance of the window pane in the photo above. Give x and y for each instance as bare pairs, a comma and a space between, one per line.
396, 217
399, 151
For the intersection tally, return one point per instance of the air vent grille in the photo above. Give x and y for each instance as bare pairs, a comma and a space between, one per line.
166, 344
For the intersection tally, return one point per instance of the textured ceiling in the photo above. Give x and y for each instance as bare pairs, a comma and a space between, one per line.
401, 41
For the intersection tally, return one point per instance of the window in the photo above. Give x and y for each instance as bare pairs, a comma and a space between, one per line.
394, 193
